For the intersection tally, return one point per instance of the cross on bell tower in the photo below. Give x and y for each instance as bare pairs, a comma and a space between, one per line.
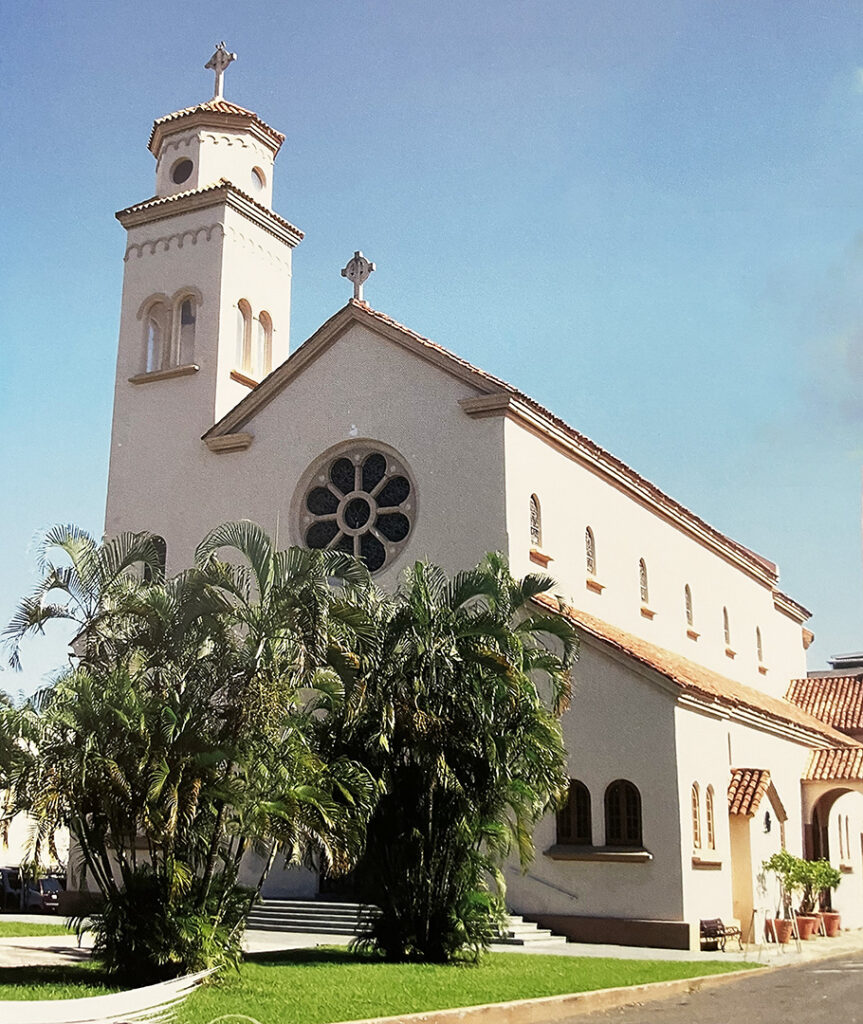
218, 63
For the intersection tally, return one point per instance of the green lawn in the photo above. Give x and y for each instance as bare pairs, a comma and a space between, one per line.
15, 929
324, 985
319, 986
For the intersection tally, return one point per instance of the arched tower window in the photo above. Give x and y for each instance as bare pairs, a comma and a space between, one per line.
573, 819
642, 581
759, 647
590, 551
726, 627
262, 354
243, 336
622, 814
186, 332
535, 522
156, 341
687, 604
711, 818
696, 816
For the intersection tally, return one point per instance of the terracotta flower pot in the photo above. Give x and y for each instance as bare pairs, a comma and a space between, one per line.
831, 923
806, 925
780, 930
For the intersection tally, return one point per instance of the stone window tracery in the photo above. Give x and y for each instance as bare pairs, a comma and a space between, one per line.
360, 501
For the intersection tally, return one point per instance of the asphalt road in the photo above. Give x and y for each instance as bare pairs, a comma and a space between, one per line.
825, 990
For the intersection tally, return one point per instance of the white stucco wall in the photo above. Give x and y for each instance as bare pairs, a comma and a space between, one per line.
621, 726
573, 496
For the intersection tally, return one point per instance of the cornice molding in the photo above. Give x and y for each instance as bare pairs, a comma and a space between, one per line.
229, 442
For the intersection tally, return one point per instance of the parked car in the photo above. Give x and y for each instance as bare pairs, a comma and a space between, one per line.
41, 895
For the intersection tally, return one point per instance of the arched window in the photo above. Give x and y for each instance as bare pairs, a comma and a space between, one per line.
696, 816
841, 840
642, 581
535, 522
726, 627
847, 840
622, 814
262, 353
573, 819
155, 574
687, 604
590, 551
186, 332
759, 647
156, 340
243, 336
711, 818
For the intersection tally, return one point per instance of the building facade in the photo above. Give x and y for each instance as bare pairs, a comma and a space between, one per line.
688, 760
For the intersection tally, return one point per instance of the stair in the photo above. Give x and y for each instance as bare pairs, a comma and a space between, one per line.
324, 916
523, 933
330, 918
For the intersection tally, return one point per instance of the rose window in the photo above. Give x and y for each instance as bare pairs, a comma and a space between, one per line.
360, 502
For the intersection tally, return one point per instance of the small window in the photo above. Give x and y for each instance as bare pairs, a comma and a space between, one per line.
186, 333
696, 816
258, 180
155, 574
847, 840
243, 337
841, 840
156, 340
687, 604
711, 818
642, 581
590, 551
573, 819
759, 647
726, 627
181, 171
535, 522
262, 356
622, 814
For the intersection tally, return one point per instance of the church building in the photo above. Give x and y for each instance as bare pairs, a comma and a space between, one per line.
693, 752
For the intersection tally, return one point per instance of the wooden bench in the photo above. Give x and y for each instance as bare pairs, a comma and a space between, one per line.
714, 934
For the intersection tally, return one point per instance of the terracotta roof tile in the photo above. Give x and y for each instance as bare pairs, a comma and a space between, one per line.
836, 700
221, 184
747, 787
695, 679
835, 763
217, 106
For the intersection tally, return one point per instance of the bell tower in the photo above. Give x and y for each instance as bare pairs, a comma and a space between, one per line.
205, 312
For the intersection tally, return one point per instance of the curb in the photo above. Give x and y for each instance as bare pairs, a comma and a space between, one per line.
548, 1009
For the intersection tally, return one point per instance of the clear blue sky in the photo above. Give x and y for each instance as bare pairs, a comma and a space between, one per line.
648, 215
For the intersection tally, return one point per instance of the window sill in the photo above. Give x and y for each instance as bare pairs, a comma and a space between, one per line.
762, 669
594, 585
229, 442
846, 868
647, 613
620, 854
540, 557
241, 378
166, 374
706, 863
692, 634
729, 653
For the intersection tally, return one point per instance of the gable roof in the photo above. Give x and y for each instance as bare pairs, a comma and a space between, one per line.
497, 397
747, 787
835, 764
704, 685
836, 700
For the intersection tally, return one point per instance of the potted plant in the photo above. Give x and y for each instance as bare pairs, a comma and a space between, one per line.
786, 868
825, 878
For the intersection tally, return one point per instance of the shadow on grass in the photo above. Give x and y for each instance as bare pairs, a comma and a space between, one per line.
308, 957
80, 975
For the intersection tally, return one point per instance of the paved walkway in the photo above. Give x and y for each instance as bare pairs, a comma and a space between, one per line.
58, 949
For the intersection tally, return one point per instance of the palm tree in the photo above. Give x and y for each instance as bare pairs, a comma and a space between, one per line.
457, 714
